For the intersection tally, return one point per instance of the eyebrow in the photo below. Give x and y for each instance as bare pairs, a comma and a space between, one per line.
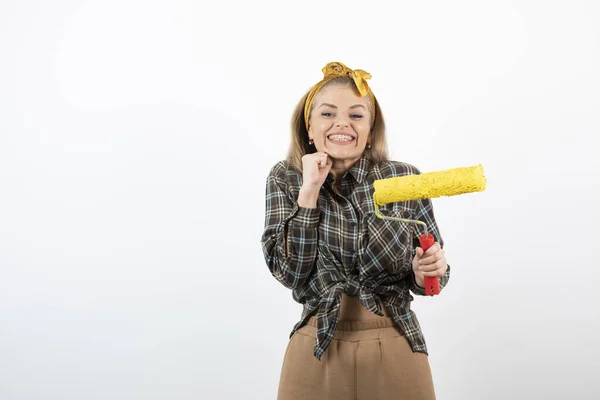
332, 106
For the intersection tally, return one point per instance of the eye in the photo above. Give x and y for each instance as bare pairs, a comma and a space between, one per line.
327, 114
356, 116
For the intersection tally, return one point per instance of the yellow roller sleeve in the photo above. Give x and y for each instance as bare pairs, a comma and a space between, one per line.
429, 185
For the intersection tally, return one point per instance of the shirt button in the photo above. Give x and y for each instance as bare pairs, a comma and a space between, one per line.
352, 251
353, 223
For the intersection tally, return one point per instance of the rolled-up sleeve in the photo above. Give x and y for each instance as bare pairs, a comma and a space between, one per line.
290, 238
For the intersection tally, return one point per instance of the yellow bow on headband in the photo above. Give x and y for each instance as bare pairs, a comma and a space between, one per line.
335, 70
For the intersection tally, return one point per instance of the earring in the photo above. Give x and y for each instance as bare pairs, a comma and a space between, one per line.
369, 146
310, 142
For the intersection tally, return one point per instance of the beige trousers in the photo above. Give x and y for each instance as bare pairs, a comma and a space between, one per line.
367, 360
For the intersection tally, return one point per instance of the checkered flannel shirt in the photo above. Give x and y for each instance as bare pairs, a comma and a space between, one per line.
343, 247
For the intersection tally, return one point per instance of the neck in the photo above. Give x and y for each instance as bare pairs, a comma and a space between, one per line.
339, 167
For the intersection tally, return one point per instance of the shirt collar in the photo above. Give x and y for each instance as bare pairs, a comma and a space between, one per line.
358, 170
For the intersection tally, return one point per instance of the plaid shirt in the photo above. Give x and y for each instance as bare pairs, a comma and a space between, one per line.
343, 247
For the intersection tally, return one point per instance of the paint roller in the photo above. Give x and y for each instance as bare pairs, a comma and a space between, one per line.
428, 185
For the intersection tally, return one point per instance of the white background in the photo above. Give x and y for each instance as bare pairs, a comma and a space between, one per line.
135, 140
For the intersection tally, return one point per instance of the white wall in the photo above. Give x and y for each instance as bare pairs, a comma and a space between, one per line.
135, 139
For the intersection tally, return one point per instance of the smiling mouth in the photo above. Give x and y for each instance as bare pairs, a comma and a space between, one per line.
340, 138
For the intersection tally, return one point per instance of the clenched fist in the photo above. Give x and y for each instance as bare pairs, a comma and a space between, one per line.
432, 263
315, 167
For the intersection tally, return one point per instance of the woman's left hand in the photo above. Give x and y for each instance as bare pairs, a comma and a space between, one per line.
432, 263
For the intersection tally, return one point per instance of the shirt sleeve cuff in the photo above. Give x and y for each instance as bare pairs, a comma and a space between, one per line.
416, 288
305, 217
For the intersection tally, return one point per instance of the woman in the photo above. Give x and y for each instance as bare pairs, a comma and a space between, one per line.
353, 272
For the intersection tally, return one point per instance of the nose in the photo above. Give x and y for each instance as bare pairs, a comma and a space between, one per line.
341, 122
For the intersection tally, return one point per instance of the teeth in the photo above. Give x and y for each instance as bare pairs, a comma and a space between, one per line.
341, 138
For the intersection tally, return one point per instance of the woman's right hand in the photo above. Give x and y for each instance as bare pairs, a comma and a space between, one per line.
315, 167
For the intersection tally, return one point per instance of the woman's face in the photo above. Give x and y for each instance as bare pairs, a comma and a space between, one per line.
340, 122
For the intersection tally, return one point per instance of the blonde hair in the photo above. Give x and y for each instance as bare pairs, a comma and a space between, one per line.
299, 145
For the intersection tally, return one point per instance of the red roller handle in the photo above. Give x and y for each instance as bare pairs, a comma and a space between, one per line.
432, 283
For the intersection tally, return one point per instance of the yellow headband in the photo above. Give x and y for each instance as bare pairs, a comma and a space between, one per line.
335, 70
